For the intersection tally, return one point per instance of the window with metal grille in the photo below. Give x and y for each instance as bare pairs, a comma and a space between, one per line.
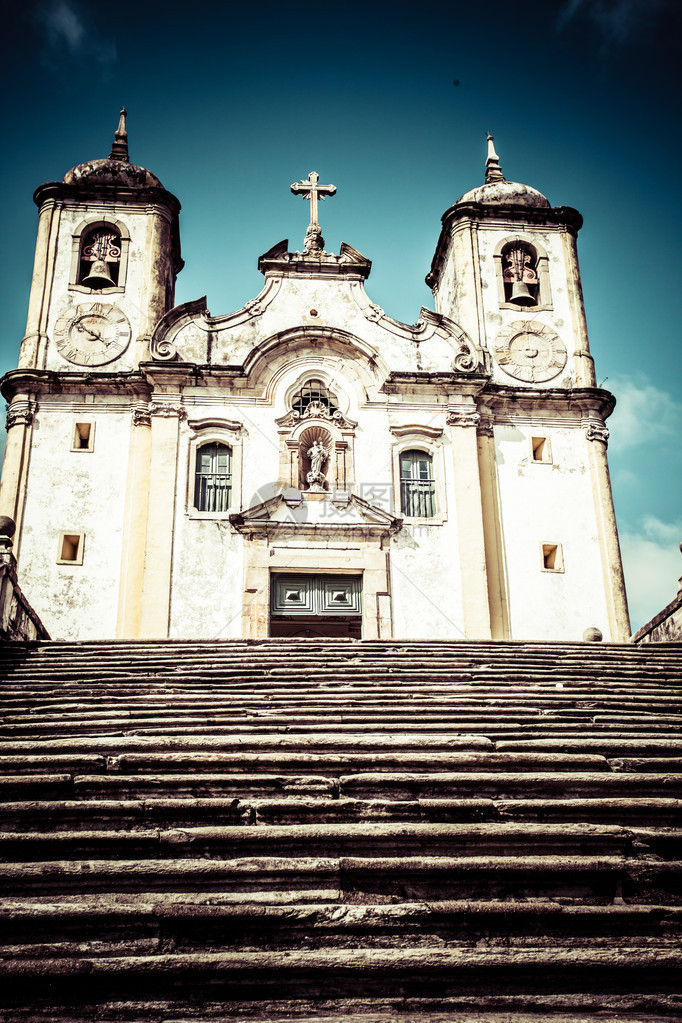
213, 479
314, 391
417, 485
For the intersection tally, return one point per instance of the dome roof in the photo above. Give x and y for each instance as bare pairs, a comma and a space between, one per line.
505, 192
497, 190
116, 169
111, 172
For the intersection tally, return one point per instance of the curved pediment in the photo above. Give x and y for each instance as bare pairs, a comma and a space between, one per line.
312, 313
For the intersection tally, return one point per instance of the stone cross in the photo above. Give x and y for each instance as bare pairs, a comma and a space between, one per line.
311, 190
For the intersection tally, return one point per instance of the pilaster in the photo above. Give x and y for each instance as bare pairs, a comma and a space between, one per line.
158, 557
463, 421
607, 531
135, 518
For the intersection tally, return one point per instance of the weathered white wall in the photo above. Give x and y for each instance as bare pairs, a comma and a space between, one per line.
75, 491
549, 503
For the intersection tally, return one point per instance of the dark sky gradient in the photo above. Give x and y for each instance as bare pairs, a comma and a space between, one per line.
230, 104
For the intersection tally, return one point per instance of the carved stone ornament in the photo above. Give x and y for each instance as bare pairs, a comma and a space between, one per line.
162, 350
373, 312
486, 428
141, 416
466, 360
167, 410
461, 417
21, 413
315, 410
530, 351
596, 431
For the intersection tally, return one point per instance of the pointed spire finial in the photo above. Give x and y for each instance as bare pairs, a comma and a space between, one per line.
493, 171
119, 150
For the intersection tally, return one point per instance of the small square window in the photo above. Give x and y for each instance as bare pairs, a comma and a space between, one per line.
552, 557
83, 437
70, 550
540, 449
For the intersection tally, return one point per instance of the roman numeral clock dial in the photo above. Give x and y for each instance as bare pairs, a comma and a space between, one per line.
92, 335
530, 351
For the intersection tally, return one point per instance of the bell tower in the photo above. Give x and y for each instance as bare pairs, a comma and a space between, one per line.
75, 474
107, 256
506, 270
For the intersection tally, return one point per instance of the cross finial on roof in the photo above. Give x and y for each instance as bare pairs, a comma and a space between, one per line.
119, 150
493, 171
311, 190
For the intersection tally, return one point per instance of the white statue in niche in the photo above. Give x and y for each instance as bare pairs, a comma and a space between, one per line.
318, 455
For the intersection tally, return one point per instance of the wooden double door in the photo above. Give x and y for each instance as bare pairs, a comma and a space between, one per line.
316, 606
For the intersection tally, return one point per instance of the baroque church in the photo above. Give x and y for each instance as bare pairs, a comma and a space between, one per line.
307, 465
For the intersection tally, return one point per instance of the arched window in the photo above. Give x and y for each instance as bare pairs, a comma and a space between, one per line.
519, 273
213, 478
316, 394
99, 258
417, 484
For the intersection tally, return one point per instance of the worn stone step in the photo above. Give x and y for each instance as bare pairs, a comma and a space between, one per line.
103, 925
578, 879
330, 742
93, 763
568, 1008
332, 973
498, 785
320, 841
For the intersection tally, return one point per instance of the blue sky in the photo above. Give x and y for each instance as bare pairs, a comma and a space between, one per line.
391, 102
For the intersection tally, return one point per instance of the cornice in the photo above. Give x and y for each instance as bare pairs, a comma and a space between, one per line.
102, 192
42, 381
584, 400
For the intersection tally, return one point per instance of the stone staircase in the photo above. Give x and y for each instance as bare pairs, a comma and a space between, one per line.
332, 830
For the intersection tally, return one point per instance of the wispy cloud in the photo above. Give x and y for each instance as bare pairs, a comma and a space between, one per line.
652, 565
644, 414
71, 33
617, 22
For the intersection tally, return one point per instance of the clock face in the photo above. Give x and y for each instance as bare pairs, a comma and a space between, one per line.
93, 334
531, 351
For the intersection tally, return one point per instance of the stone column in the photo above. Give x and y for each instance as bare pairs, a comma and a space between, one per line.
468, 502
158, 558
607, 533
15, 466
135, 516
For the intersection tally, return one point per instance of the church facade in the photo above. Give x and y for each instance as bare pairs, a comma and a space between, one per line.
308, 465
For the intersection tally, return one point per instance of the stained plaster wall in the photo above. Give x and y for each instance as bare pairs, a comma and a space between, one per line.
74, 491
549, 503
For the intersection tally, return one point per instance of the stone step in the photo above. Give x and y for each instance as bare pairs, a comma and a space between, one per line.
94, 763
576, 879
501, 727
472, 1008
314, 841
496, 785
99, 814
102, 925
343, 973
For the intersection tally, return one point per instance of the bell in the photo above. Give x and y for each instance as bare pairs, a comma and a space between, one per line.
99, 276
521, 294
